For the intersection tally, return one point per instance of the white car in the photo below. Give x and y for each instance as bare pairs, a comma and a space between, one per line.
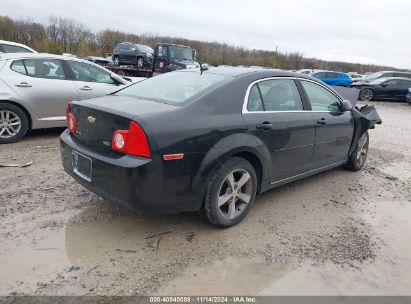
36, 88
13, 47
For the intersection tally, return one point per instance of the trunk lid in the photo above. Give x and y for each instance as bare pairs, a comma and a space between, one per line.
97, 119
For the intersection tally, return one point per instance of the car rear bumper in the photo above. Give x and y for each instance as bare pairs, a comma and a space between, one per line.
134, 182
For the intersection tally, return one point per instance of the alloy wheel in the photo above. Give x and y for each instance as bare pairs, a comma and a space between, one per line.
140, 62
366, 95
10, 124
362, 149
235, 193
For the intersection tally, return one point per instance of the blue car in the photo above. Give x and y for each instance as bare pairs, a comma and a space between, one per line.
333, 78
409, 96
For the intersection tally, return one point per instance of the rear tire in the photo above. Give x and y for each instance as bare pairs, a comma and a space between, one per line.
358, 157
140, 62
13, 123
366, 95
230, 193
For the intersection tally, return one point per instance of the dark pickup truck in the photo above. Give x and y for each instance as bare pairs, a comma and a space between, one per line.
172, 57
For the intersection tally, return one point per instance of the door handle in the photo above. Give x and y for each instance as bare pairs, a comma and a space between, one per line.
265, 126
23, 85
86, 88
322, 121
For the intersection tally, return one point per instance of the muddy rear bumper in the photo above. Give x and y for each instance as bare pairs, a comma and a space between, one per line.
134, 182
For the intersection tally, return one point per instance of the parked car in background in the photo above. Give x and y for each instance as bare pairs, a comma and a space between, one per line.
187, 141
409, 96
36, 88
355, 76
171, 57
392, 88
306, 71
383, 74
13, 47
132, 53
97, 60
333, 78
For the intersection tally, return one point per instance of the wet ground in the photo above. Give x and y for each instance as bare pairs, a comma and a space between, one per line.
334, 233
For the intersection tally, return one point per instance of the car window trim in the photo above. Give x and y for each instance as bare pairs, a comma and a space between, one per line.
245, 102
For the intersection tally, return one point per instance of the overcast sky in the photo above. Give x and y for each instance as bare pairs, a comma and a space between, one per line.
364, 31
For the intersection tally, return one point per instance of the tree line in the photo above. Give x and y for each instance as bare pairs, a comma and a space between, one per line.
65, 35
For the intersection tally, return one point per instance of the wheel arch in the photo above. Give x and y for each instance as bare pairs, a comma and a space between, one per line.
29, 118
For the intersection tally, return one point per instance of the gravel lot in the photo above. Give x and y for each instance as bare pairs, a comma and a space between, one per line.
334, 233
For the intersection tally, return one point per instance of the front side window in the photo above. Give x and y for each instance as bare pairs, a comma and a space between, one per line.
391, 83
320, 98
44, 68
320, 75
175, 87
89, 73
280, 95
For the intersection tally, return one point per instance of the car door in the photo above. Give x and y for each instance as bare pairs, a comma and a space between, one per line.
274, 113
91, 80
403, 87
43, 84
334, 127
388, 89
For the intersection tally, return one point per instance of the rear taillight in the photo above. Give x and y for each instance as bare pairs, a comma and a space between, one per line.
71, 120
132, 141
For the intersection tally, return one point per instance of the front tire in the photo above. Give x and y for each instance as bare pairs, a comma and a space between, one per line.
13, 123
231, 193
358, 157
366, 94
116, 60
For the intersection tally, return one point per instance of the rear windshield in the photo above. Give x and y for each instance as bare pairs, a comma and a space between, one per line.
175, 87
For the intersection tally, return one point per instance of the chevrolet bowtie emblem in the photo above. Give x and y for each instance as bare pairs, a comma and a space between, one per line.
91, 119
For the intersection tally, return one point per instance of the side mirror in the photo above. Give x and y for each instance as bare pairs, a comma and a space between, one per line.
346, 105
117, 79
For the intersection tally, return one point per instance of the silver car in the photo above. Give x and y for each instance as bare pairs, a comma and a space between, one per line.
36, 88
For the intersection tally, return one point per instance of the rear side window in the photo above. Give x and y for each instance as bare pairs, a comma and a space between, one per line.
255, 103
18, 66
175, 87
320, 98
40, 68
280, 95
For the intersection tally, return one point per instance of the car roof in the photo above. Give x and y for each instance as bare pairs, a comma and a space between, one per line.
16, 44
394, 78
237, 72
6, 56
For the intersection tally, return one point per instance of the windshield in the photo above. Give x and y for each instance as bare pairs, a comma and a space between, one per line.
182, 53
144, 48
172, 87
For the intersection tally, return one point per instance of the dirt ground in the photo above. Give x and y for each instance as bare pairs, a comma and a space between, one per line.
336, 233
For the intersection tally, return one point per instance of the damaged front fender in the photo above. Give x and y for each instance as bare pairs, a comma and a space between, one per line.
365, 118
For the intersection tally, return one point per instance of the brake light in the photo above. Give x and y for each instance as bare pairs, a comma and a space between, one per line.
71, 120
132, 141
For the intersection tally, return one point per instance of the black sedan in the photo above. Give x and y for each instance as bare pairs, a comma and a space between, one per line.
392, 88
210, 141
